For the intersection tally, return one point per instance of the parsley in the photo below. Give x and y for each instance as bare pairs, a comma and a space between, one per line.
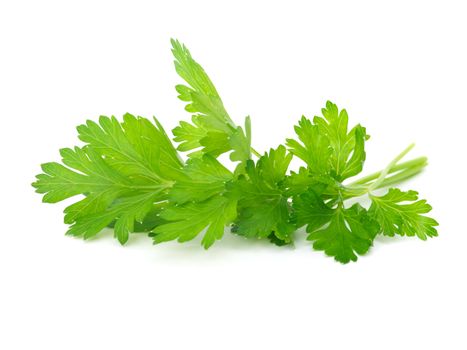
130, 177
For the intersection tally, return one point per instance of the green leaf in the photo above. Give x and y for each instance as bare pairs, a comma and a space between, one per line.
350, 232
315, 149
203, 178
348, 151
134, 147
190, 219
213, 131
305, 180
354, 165
197, 202
201, 91
127, 210
341, 233
214, 143
327, 147
189, 136
151, 220
240, 142
123, 169
310, 209
401, 212
263, 205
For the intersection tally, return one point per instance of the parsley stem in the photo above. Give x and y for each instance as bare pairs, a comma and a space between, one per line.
409, 169
386, 170
419, 162
401, 172
255, 152
402, 175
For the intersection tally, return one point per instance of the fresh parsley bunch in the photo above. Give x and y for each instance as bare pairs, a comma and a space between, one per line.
130, 177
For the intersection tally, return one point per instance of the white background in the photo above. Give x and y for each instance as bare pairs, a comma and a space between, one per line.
399, 68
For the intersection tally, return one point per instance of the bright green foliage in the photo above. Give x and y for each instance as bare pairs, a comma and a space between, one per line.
241, 142
263, 204
348, 147
327, 145
188, 220
310, 210
303, 180
212, 130
203, 178
401, 212
198, 203
122, 171
315, 149
332, 154
341, 233
350, 232
129, 177
136, 148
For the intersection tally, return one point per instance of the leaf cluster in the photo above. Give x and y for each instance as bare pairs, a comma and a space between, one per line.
129, 176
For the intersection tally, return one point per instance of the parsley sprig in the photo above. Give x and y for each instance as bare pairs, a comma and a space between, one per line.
129, 176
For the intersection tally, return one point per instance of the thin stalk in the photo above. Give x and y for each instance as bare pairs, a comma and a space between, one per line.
360, 190
419, 162
386, 171
401, 172
255, 152
401, 176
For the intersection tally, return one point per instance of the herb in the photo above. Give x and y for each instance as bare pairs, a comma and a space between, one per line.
130, 177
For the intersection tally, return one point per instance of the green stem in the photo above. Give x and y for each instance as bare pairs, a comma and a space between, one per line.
386, 170
401, 176
414, 163
360, 190
401, 172
255, 152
